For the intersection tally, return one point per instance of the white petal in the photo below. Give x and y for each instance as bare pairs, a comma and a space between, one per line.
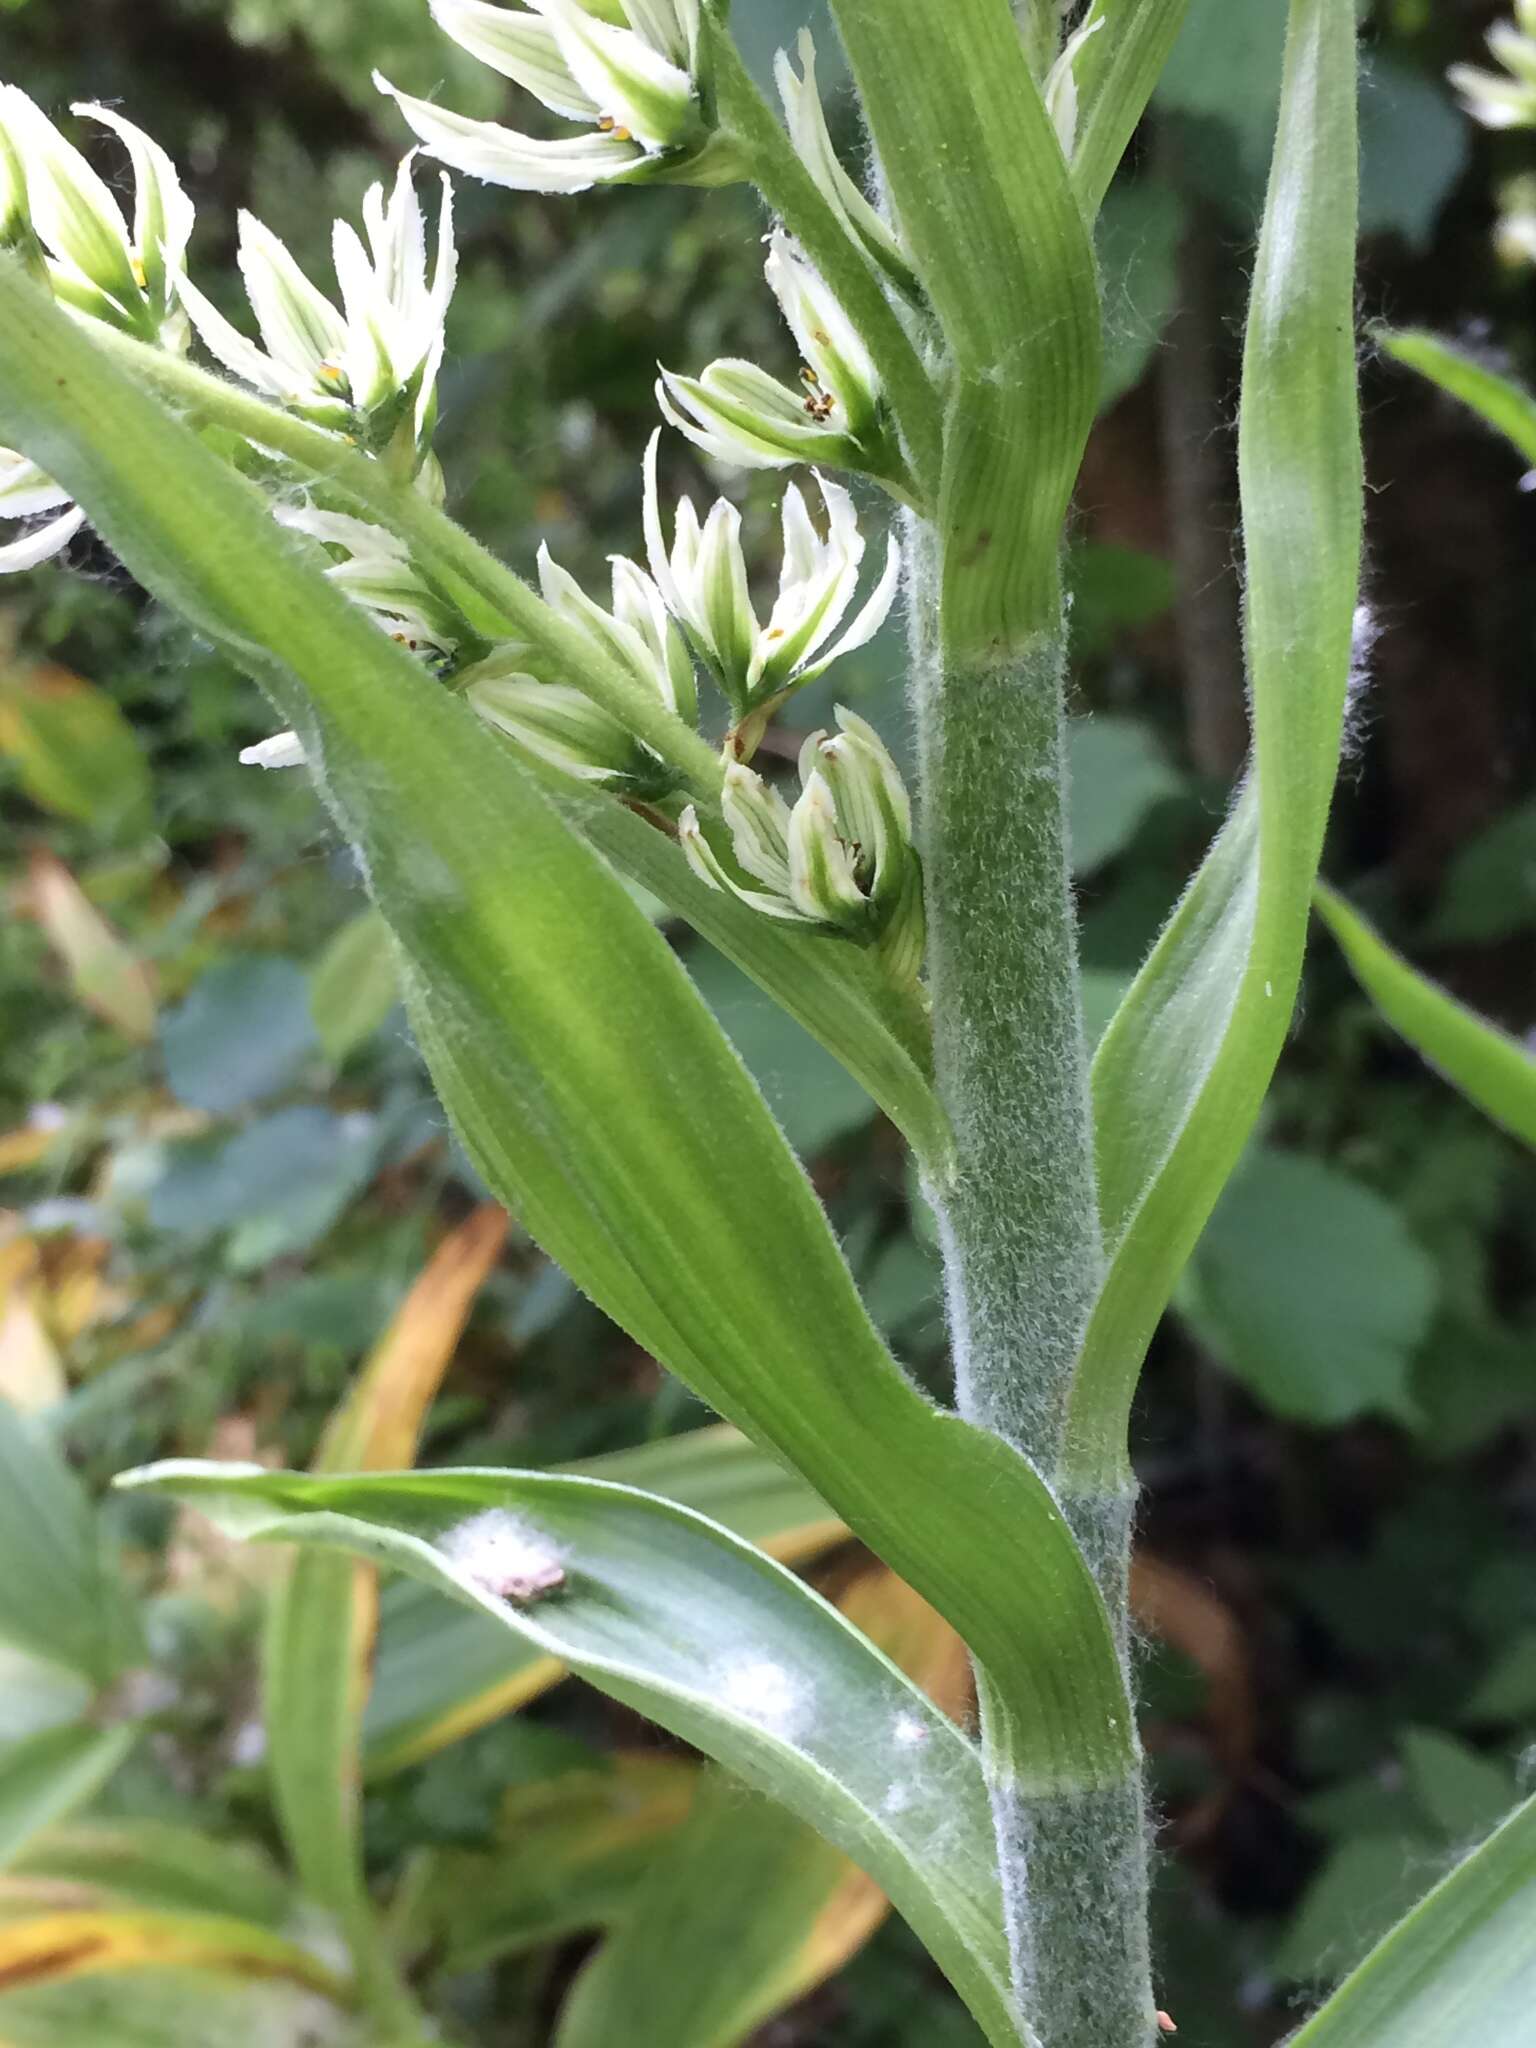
500, 156
520, 47
163, 215
41, 544
301, 328
813, 145
72, 209
870, 619
626, 77
283, 750
24, 489
227, 344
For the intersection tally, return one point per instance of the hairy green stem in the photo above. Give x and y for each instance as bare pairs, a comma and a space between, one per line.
493, 599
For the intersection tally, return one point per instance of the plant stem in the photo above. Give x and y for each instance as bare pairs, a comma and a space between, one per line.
1019, 1226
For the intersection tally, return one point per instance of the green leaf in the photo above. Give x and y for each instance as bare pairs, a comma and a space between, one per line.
443, 1670
53, 1947
1414, 145
747, 1909
46, 1777
277, 1186
317, 1657
1362, 1887
732, 1912
1138, 238
578, 1848
75, 751
60, 1596
1460, 1967
354, 985
1463, 1795
146, 1862
1506, 1692
595, 1095
1117, 71
243, 1033
1309, 1287
1505, 405
976, 175
1181, 1073
171, 2008
673, 1616
1493, 1070
1119, 773
1490, 888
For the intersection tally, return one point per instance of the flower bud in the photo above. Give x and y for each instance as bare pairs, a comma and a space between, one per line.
374, 569
561, 726
842, 856
638, 633
740, 415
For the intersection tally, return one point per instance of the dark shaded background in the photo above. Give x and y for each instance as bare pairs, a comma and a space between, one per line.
1338, 1429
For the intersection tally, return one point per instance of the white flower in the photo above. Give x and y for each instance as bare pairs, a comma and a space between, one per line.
1504, 99
842, 856
635, 86
703, 579
637, 632
283, 750
62, 217
740, 415
808, 131
371, 367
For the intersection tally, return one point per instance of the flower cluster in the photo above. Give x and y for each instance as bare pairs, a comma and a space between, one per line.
634, 86
62, 218
841, 856
370, 369
1507, 98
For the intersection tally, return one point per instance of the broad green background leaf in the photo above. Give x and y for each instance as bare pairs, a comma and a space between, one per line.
1118, 774
171, 2008
46, 1777
1180, 1075
243, 1034
1489, 889
1505, 405
1491, 1069
443, 1670
671, 1615
1137, 241
1309, 1287
275, 1186
1461, 1967
60, 1596
75, 751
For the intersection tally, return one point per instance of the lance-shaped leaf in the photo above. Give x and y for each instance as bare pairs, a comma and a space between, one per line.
1460, 1968
673, 1616
1505, 405
1116, 70
49, 1948
443, 1670
1493, 1070
1181, 1073
747, 1909
590, 1085
318, 1653
46, 1777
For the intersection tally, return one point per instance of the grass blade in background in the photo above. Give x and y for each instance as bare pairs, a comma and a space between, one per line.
671, 1615
318, 1653
48, 1776
1505, 405
1185, 1065
1492, 1070
748, 1909
60, 1596
50, 1948
1460, 1968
